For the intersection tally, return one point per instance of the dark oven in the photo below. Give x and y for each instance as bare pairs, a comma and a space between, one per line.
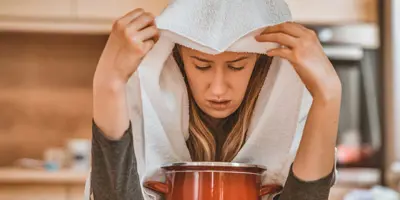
353, 50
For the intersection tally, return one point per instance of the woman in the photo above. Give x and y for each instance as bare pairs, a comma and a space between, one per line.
223, 91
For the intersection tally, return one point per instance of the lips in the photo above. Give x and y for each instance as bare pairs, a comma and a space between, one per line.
219, 105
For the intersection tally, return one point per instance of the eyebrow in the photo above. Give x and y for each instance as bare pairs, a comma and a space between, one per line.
232, 61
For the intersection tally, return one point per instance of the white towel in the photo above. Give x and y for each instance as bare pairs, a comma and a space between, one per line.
158, 100
215, 26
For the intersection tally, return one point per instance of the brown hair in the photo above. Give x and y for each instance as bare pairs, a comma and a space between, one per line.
201, 142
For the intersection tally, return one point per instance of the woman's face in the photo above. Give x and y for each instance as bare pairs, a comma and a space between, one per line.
218, 82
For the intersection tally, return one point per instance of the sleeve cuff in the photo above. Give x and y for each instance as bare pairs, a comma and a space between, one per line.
99, 135
295, 188
324, 180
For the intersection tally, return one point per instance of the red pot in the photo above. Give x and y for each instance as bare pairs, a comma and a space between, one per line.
212, 181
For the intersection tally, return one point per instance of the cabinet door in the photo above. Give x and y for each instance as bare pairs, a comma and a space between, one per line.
30, 192
36, 8
336, 12
112, 9
76, 192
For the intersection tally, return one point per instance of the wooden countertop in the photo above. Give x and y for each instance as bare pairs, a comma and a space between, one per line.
25, 176
10, 175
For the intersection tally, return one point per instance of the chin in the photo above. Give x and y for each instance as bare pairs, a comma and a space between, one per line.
218, 114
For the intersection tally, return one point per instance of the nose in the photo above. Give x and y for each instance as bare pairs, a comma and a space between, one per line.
219, 86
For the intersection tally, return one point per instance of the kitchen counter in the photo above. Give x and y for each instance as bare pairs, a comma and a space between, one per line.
17, 183
36, 176
10, 175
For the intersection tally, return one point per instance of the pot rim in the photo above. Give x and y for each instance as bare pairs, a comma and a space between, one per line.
214, 164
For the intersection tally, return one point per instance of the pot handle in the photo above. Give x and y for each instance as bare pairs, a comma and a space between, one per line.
270, 189
157, 186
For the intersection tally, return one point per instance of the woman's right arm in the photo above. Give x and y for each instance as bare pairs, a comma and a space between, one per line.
114, 173
131, 38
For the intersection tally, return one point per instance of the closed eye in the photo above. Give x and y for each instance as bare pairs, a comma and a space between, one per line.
235, 68
203, 68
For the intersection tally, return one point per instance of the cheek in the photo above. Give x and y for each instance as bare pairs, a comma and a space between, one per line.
239, 83
196, 81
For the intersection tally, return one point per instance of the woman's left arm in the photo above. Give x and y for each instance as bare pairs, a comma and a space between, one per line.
315, 157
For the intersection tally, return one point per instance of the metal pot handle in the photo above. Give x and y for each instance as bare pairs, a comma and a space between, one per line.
157, 186
270, 189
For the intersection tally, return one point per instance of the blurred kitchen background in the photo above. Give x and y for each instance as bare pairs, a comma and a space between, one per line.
49, 51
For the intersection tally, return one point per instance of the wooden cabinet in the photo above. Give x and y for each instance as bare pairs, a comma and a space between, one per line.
76, 192
41, 192
112, 9
24, 184
334, 12
96, 16
49, 9
66, 16
33, 192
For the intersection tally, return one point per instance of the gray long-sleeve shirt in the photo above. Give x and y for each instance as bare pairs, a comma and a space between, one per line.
114, 173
